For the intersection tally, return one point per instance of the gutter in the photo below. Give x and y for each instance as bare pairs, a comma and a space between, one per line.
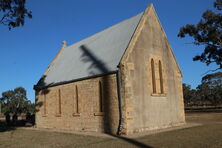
38, 87
120, 127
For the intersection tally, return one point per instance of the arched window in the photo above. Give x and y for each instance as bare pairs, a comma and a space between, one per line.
77, 100
44, 103
100, 97
153, 76
76, 112
59, 101
161, 78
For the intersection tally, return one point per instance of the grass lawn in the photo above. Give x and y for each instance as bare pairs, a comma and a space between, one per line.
207, 135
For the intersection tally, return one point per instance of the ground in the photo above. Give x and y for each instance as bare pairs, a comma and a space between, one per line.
208, 134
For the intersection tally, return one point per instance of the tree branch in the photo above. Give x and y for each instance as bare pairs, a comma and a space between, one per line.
5, 16
211, 71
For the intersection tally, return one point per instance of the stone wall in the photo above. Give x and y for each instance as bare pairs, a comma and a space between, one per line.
143, 109
58, 106
77, 106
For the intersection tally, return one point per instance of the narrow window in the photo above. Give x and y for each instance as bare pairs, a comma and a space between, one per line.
161, 78
77, 100
44, 103
60, 111
153, 76
100, 97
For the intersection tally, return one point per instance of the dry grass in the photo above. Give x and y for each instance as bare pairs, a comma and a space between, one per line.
208, 135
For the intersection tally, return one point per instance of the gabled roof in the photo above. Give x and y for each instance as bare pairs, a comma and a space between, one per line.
97, 55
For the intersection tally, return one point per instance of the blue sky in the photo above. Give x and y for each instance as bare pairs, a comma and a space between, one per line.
27, 51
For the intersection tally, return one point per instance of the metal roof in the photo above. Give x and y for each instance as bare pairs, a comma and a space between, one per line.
96, 55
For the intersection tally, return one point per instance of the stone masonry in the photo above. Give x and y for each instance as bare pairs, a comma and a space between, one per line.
89, 117
93, 104
143, 109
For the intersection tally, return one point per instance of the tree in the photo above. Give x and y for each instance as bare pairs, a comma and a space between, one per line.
211, 88
189, 94
1, 106
214, 79
13, 13
209, 92
15, 101
208, 32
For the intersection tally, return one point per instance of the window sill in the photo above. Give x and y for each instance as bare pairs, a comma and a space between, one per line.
158, 95
58, 115
76, 114
99, 114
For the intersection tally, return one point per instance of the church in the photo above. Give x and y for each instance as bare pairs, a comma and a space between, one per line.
122, 80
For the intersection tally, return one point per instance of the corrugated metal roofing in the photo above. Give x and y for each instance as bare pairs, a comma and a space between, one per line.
96, 55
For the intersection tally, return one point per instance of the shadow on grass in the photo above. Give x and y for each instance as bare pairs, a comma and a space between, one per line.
12, 126
132, 141
6, 128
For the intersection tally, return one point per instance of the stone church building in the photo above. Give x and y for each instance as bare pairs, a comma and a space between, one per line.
122, 80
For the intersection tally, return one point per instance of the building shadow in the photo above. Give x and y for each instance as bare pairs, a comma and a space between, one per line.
97, 64
41, 88
132, 141
41, 85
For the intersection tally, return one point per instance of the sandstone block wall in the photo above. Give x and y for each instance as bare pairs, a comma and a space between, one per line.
143, 109
77, 106
58, 106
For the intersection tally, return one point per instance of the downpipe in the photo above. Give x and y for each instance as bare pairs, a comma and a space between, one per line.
120, 127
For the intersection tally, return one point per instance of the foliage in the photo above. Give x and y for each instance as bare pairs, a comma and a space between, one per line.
13, 13
213, 79
189, 94
15, 101
208, 92
208, 32
211, 88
